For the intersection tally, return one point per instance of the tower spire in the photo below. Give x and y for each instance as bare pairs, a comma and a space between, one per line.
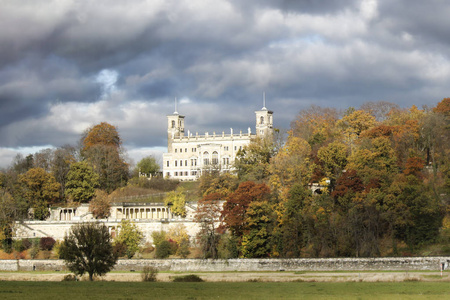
175, 112
264, 101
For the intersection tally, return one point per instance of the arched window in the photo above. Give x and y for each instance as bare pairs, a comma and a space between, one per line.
215, 158
205, 158
261, 120
173, 124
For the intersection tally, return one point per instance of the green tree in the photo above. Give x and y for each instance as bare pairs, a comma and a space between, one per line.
147, 166
8, 215
62, 159
130, 236
88, 249
292, 222
81, 182
253, 161
39, 189
177, 202
256, 240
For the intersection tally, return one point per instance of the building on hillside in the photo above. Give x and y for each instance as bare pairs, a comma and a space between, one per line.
189, 155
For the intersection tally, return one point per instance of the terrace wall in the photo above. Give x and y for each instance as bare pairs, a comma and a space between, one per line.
221, 265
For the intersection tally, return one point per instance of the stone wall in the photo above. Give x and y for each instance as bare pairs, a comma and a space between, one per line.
58, 229
221, 265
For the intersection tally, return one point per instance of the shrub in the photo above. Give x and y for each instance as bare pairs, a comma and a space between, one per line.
183, 249
163, 250
149, 274
46, 243
70, 277
120, 249
188, 278
26, 243
158, 237
18, 245
173, 247
7, 245
34, 252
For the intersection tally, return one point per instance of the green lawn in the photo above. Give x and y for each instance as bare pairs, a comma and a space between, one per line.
223, 290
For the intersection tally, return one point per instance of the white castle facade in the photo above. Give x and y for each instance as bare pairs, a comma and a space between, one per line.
190, 155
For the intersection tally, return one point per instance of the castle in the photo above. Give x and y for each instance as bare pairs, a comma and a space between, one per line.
190, 155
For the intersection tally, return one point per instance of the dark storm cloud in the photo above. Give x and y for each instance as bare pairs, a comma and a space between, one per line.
301, 6
66, 65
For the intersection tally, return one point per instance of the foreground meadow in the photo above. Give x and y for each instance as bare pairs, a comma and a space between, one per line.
223, 290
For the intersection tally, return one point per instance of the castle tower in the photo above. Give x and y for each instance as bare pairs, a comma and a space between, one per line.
264, 120
175, 127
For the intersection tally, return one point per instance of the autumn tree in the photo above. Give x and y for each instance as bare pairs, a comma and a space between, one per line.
234, 214
130, 236
101, 147
379, 109
88, 249
39, 189
216, 182
176, 200
179, 235
100, 205
334, 159
208, 217
101, 134
292, 164
315, 125
81, 182
43, 159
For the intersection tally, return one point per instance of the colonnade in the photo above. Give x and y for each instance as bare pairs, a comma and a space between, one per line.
154, 213
66, 214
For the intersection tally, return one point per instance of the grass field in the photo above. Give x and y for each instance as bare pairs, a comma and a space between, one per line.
223, 290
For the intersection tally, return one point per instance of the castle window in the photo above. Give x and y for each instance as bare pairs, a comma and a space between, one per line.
181, 163
168, 174
175, 150
215, 158
176, 163
176, 173
185, 163
185, 149
261, 120
181, 150
186, 173
168, 163
173, 124
205, 158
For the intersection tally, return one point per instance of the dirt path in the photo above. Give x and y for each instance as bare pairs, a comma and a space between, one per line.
250, 276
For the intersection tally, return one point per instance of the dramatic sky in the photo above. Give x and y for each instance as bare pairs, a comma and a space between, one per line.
66, 65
